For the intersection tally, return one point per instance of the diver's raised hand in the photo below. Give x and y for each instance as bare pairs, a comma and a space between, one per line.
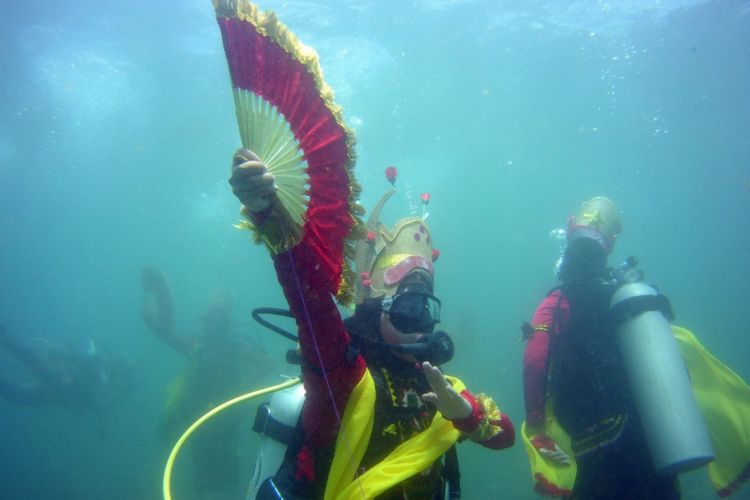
451, 404
251, 181
158, 306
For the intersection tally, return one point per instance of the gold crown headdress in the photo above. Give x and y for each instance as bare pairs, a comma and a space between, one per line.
385, 256
598, 218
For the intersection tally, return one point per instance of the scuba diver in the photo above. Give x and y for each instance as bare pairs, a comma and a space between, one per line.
220, 364
619, 401
378, 414
572, 354
78, 380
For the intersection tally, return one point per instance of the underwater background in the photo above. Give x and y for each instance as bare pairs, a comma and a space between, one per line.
117, 128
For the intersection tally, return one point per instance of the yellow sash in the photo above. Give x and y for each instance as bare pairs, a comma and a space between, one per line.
552, 478
409, 458
724, 400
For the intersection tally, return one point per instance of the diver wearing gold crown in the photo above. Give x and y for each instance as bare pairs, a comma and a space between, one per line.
611, 411
378, 415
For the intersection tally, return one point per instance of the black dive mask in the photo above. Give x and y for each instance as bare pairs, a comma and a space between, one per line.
413, 309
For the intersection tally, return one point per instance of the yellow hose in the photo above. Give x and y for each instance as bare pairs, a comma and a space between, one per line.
250, 395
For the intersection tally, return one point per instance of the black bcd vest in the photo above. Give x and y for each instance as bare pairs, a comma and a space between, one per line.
587, 378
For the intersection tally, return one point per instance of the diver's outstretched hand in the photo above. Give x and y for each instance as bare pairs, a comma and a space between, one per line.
451, 404
251, 181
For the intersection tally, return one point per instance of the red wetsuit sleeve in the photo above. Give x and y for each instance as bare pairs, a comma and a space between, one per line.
495, 432
329, 377
506, 438
536, 356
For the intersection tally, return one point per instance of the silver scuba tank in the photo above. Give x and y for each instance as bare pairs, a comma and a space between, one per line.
275, 422
675, 431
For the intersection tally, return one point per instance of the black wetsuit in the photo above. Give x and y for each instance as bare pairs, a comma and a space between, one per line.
593, 403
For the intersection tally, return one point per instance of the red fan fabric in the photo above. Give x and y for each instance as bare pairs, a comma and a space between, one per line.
259, 65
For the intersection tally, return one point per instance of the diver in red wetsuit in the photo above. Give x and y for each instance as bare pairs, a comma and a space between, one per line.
374, 362
573, 358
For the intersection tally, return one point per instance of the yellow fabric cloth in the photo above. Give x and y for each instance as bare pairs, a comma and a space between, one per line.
353, 437
724, 400
409, 458
554, 479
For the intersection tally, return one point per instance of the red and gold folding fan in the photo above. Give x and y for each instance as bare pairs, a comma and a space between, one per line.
287, 116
